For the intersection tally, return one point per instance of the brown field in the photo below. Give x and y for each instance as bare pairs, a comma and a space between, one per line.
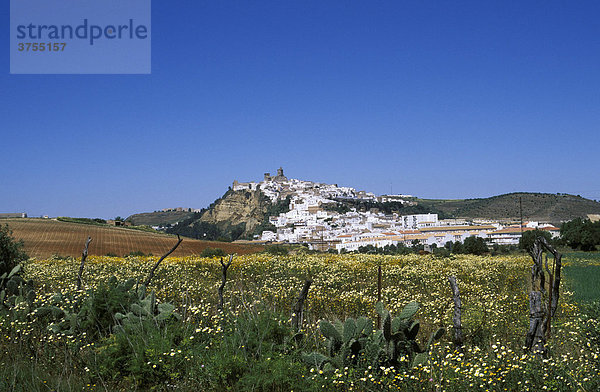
44, 238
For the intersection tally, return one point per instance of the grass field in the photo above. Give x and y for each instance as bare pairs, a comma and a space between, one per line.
582, 275
44, 238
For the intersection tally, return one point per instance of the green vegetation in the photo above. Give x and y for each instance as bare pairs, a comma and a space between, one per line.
473, 245
159, 218
581, 234
117, 335
11, 253
136, 253
355, 344
273, 209
85, 221
504, 250
399, 249
277, 250
582, 275
193, 227
102, 222
213, 252
585, 282
528, 238
344, 205
544, 207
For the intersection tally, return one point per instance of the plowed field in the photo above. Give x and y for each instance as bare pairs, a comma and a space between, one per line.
44, 238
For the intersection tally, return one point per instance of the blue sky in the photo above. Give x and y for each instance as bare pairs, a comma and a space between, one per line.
436, 99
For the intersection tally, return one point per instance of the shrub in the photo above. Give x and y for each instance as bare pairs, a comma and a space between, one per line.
212, 252
257, 352
97, 315
277, 250
137, 253
11, 252
528, 238
581, 234
135, 355
475, 246
441, 252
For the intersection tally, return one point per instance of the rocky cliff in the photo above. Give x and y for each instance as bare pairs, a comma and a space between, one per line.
245, 209
236, 215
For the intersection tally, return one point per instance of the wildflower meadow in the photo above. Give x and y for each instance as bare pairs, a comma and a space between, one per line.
113, 334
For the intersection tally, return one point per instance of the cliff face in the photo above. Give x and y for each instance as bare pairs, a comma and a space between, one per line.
238, 208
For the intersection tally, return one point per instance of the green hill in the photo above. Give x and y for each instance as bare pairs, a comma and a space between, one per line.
545, 207
159, 218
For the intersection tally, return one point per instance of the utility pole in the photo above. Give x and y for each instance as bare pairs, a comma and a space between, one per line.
521, 214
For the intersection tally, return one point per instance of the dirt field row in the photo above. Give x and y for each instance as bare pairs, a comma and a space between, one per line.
44, 238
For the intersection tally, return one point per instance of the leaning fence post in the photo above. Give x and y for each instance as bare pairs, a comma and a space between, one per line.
84, 256
224, 267
540, 316
378, 293
456, 317
298, 308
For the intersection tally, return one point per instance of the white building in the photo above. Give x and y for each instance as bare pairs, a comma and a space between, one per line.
419, 220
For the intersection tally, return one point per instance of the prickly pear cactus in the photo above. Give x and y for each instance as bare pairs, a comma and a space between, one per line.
354, 342
94, 316
16, 294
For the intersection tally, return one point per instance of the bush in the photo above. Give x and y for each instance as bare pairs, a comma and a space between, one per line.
137, 253
441, 252
503, 249
97, 315
11, 252
528, 238
457, 247
134, 355
581, 234
277, 250
257, 353
213, 252
475, 246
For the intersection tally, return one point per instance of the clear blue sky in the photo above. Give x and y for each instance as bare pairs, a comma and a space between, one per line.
436, 99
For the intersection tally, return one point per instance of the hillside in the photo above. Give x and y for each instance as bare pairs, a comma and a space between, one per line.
240, 214
235, 215
545, 207
44, 238
159, 218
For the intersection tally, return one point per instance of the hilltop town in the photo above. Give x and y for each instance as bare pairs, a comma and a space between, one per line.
313, 219
329, 217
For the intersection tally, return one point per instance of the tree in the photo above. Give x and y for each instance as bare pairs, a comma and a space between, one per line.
416, 246
528, 238
475, 246
457, 247
581, 234
11, 253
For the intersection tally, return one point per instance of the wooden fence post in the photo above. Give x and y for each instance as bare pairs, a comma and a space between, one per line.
456, 317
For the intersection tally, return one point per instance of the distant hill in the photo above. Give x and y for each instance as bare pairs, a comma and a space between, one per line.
159, 218
44, 238
545, 207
